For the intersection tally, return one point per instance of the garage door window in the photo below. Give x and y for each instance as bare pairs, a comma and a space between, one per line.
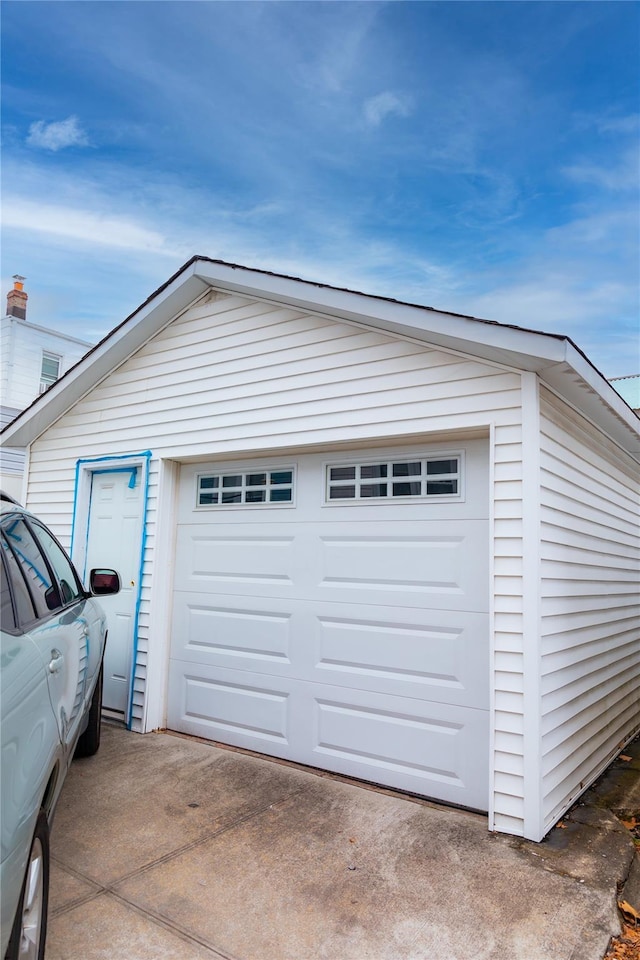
427, 478
236, 489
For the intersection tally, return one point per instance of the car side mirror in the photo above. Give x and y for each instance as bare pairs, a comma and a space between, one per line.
103, 583
52, 598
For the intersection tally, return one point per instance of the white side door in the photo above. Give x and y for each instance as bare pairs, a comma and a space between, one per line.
115, 540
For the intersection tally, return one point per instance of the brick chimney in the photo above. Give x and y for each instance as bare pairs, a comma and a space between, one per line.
17, 299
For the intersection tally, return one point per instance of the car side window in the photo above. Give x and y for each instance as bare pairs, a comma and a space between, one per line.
70, 588
6, 606
17, 606
42, 587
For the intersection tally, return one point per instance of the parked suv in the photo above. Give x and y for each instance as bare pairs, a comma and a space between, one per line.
52, 645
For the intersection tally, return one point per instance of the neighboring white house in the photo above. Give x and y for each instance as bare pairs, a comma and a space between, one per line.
372, 537
31, 359
629, 389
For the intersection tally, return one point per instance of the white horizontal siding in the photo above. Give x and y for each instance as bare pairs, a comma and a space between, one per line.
7, 414
12, 461
237, 376
6, 334
21, 358
11, 458
590, 603
249, 376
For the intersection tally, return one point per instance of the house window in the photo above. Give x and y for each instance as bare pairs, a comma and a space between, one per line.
423, 478
258, 487
50, 370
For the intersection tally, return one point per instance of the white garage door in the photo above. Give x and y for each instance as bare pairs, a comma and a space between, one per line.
333, 610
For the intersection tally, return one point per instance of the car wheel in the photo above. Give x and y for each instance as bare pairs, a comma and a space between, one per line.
30, 926
89, 742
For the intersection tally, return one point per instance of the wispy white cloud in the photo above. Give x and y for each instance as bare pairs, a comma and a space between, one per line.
378, 108
623, 174
100, 227
610, 233
628, 124
340, 48
57, 135
607, 123
566, 281
89, 227
558, 302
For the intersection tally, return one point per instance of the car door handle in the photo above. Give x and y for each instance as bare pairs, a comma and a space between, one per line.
55, 664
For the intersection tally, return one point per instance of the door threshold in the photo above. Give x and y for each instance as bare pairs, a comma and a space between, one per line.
114, 716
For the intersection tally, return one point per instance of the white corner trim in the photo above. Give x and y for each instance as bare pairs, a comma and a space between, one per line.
532, 705
154, 712
491, 759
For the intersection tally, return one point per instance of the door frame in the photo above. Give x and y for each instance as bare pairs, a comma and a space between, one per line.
86, 468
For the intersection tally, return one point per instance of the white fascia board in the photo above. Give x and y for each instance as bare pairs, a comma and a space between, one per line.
109, 354
587, 391
497, 343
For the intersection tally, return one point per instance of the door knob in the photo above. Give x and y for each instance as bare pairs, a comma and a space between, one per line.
55, 664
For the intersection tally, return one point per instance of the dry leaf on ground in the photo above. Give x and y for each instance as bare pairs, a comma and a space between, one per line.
629, 912
626, 946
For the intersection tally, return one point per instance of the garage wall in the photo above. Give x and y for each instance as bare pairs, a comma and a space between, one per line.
236, 375
590, 603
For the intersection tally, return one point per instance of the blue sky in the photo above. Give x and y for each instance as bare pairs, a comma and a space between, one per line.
474, 157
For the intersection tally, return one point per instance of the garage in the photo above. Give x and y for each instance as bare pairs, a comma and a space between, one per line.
374, 537
333, 610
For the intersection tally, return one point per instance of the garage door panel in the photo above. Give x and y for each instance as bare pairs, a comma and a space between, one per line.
423, 747
442, 659
426, 748
440, 656
443, 567
222, 557
232, 707
206, 631
396, 562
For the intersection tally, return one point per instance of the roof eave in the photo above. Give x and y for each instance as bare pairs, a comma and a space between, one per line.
555, 358
579, 383
113, 350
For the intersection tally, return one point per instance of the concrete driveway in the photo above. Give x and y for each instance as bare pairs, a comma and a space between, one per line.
167, 847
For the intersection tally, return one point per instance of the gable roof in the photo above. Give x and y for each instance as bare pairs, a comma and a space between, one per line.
555, 358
